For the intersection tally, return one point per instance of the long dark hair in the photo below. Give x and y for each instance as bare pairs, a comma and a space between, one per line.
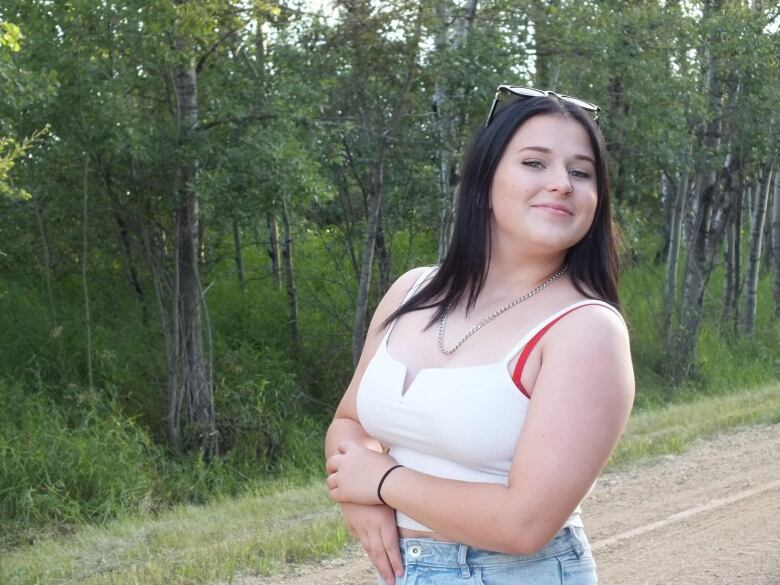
593, 261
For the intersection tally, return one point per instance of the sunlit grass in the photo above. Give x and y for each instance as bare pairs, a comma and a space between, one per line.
261, 534
189, 544
673, 427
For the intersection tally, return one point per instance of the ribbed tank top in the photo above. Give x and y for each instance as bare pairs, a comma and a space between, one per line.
459, 423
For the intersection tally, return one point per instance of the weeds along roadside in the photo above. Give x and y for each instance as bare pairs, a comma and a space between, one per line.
285, 523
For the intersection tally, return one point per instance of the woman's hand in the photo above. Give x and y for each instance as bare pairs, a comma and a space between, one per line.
374, 527
355, 472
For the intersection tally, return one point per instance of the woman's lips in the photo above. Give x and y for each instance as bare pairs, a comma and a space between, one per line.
553, 209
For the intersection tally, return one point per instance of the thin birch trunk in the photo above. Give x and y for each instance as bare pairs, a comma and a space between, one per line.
85, 251
716, 196
445, 115
769, 247
728, 313
545, 38
292, 295
668, 199
201, 424
239, 254
673, 250
383, 256
47, 266
375, 196
754, 254
445, 127
169, 326
776, 246
273, 248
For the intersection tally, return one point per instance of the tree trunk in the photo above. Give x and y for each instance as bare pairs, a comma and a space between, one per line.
56, 327
673, 250
757, 220
292, 295
169, 323
124, 240
273, 248
776, 246
239, 253
201, 430
374, 203
383, 255
769, 248
545, 38
732, 277
445, 127
375, 196
668, 199
716, 196
85, 251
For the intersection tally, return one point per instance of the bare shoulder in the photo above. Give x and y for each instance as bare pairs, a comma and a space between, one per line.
396, 293
594, 327
592, 342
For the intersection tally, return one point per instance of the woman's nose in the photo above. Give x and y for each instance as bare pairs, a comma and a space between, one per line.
560, 181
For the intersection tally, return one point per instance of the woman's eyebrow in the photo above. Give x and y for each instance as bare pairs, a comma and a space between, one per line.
548, 151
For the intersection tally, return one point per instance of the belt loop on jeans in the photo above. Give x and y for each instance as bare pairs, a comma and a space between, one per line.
576, 541
465, 570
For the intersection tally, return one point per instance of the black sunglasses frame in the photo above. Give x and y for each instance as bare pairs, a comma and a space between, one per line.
517, 92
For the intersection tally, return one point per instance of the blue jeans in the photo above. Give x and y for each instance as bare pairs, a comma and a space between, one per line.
565, 560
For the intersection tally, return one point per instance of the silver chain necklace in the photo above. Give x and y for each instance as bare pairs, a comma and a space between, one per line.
489, 318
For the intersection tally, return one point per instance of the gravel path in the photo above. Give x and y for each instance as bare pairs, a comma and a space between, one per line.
710, 516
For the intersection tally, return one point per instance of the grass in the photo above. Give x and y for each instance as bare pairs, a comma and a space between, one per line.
260, 534
673, 427
253, 534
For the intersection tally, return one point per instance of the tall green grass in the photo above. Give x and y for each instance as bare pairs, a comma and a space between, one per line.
263, 532
62, 468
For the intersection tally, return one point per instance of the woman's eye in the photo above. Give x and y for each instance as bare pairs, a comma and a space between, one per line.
534, 164
581, 174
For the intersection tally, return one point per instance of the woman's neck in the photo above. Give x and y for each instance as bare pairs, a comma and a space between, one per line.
517, 274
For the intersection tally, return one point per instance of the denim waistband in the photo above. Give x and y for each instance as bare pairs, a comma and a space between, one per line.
436, 553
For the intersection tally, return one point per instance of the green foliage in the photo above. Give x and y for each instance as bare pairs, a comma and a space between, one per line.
61, 467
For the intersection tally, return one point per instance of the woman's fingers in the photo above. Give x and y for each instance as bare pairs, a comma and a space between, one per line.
376, 551
389, 535
332, 464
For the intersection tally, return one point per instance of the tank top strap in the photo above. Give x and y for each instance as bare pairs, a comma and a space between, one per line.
530, 335
412, 290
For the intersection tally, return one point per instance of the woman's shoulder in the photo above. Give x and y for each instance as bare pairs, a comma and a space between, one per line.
399, 290
404, 283
591, 317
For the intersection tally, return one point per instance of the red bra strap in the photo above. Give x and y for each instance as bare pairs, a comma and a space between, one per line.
528, 348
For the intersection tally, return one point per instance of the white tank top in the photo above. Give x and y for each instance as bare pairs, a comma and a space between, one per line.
459, 423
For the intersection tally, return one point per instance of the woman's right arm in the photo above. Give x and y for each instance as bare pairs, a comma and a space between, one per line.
373, 526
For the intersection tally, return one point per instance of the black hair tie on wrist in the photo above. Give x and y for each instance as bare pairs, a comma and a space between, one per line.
381, 481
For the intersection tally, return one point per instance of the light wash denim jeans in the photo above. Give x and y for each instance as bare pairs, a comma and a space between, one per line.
565, 560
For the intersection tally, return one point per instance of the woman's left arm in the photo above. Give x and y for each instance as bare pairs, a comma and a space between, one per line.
581, 402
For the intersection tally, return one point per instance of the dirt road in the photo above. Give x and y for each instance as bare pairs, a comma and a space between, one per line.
708, 516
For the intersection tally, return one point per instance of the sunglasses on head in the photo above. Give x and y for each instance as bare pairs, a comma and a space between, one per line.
506, 94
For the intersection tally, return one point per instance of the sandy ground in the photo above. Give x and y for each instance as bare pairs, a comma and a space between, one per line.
709, 516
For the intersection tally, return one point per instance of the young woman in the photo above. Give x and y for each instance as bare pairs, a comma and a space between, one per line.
492, 389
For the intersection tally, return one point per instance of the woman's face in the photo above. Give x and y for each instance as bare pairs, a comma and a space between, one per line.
544, 193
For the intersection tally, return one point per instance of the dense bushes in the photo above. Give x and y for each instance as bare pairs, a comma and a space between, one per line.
69, 455
63, 466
